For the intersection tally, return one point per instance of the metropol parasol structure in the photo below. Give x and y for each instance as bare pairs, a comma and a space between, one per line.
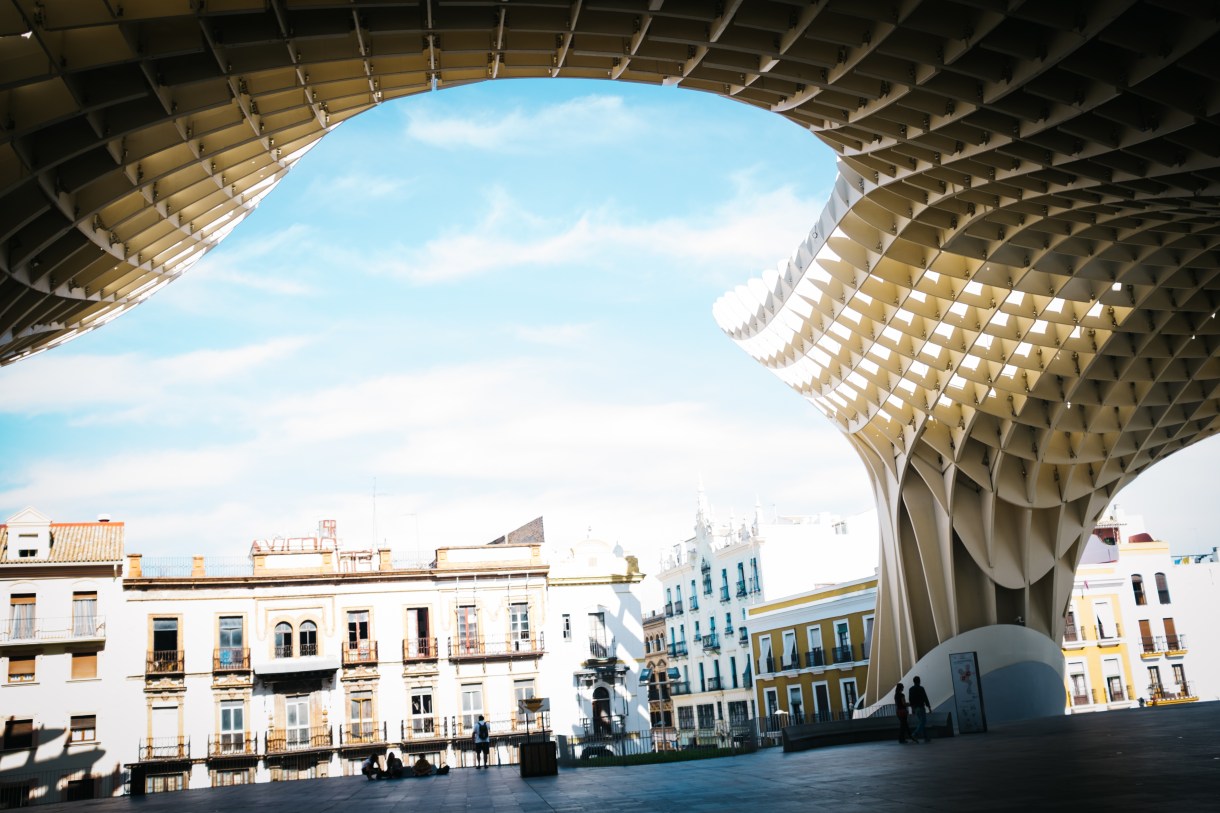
1007, 306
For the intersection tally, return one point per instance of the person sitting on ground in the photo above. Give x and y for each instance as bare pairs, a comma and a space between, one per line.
371, 768
423, 767
393, 766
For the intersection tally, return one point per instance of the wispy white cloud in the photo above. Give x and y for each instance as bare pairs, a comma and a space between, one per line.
460, 453
594, 119
755, 228
136, 384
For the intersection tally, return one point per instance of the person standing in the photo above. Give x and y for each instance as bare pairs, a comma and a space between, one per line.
919, 702
482, 742
900, 709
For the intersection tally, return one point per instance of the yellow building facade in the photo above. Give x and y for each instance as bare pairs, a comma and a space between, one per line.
811, 653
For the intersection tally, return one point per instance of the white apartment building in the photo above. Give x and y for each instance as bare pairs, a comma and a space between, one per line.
298, 661
317, 657
709, 582
595, 638
60, 588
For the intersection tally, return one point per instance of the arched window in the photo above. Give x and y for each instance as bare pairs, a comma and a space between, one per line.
1162, 588
1137, 587
283, 640
309, 638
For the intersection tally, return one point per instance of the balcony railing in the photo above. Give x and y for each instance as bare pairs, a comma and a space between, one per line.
231, 659
678, 607
741, 588
1108, 633
755, 587
418, 649
1175, 643
815, 657
362, 732
600, 650
715, 684
425, 728
1082, 699
679, 687
233, 744
694, 603
1163, 694
165, 662
361, 652
790, 661
743, 637
304, 651
724, 593
842, 654
677, 649
61, 628
286, 740
766, 664
1071, 634
669, 609
473, 648
711, 642
165, 748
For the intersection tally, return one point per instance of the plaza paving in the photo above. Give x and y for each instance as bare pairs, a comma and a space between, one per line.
1147, 759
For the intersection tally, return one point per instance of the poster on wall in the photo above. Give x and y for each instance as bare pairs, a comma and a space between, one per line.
968, 692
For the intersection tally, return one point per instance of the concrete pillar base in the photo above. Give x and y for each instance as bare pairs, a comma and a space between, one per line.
1022, 673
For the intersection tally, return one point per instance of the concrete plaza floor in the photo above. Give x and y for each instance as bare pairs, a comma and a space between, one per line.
1145, 759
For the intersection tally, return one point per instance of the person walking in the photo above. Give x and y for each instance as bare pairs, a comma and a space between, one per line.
482, 742
919, 702
900, 709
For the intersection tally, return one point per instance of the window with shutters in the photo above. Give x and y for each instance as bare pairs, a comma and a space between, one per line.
18, 734
83, 728
21, 669
84, 665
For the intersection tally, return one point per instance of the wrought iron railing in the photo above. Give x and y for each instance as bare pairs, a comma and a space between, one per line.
362, 732
471, 648
360, 652
815, 657
165, 662
232, 744
165, 748
231, 659
286, 740
419, 649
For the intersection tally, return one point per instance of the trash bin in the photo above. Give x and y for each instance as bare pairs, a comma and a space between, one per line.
538, 759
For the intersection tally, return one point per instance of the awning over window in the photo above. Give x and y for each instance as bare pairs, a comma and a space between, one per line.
284, 667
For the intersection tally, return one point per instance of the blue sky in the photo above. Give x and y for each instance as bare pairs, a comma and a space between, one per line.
492, 302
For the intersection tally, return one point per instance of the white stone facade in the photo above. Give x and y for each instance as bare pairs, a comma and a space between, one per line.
711, 579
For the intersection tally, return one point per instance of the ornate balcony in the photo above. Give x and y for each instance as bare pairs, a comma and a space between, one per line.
711, 642
232, 744
419, 650
165, 748
427, 728
677, 649
288, 740
165, 662
362, 732
361, 652
815, 657
231, 659
467, 649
